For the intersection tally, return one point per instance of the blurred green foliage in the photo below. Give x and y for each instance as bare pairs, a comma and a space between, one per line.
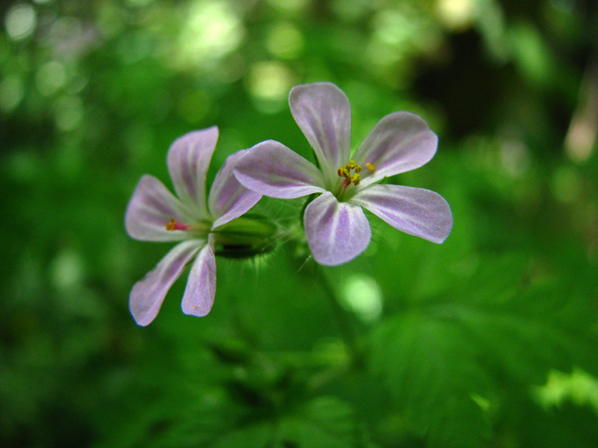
488, 340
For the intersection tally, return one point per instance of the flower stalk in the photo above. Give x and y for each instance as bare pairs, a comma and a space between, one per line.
343, 319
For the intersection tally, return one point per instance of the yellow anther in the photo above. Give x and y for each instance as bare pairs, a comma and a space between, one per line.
370, 166
171, 225
345, 171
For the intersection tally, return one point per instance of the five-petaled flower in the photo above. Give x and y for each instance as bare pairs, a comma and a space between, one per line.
336, 227
154, 214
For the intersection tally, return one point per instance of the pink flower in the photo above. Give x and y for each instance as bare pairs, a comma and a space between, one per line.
154, 214
336, 227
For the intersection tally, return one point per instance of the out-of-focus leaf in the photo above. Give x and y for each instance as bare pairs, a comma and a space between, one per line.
445, 359
324, 422
431, 369
258, 435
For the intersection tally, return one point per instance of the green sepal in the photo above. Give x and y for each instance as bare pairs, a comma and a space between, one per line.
245, 237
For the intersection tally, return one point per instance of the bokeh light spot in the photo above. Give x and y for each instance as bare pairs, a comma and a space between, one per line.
284, 41
269, 85
212, 31
20, 21
394, 27
362, 294
50, 77
456, 14
67, 269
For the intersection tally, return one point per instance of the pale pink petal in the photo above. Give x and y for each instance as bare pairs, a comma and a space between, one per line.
148, 294
150, 208
201, 285
272, 169
228, 198
336, 232
400, 142
323, 113
415, 211
188, 161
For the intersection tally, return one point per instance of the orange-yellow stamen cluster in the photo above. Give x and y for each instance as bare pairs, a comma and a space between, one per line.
350, 178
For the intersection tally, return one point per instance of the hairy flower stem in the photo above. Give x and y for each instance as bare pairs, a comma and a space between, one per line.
347, 330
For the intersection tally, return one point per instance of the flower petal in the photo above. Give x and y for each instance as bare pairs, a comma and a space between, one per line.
188, 162
148, 294
272, 169
150, 208
337, 232
415, 211
400, 142
323, 113
228, 198
201, 285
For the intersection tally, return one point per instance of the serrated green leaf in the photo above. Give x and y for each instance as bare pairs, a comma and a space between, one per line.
431, 370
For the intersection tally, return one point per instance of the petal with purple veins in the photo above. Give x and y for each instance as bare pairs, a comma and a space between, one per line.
415, 211
201, 285
150, 208
336, 232
400, 142
323, 113
148, 294
272, 169
188, 162
228, 198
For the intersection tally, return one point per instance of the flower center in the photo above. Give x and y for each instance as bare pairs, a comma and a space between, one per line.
346, 172
201, 228
351, 172
175, 225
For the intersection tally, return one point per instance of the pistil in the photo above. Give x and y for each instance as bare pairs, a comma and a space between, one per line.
175, 225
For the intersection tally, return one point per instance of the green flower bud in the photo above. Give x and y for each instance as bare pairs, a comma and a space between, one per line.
245, 237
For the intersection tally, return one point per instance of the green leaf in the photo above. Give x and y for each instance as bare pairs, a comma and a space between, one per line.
324, 422
256, 435
446, 358
431, 370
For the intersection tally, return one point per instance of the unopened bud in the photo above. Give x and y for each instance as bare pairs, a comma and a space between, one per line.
245, 237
